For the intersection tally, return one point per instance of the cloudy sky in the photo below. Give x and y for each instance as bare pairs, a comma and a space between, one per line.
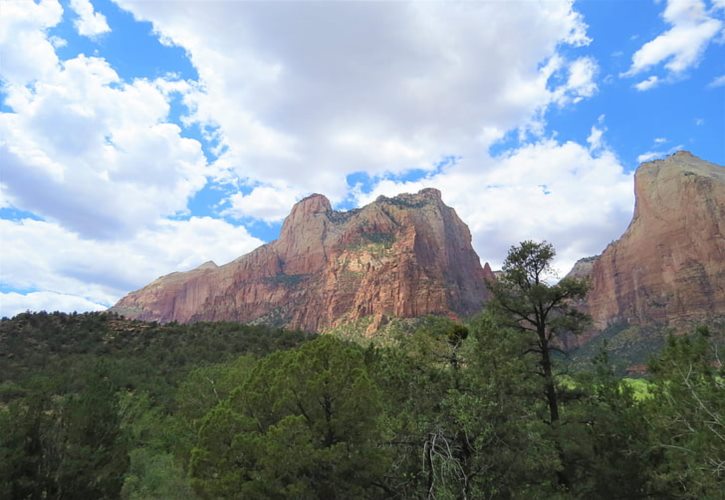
142, 137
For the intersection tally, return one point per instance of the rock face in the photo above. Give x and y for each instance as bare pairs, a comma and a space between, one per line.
669, 265
405, 256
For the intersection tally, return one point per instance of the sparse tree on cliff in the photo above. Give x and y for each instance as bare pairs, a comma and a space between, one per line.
524, 301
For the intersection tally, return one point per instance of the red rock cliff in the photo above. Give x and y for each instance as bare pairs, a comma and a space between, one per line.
669, 265
405, 256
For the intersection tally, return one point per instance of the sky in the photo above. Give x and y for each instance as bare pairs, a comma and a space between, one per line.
138, 138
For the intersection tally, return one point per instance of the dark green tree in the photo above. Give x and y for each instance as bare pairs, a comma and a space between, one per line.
304, 424
607, 436
525, 300
64, 446
505, 452
686, 416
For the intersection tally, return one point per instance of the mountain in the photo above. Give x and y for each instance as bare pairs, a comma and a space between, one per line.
668, 268
406, 256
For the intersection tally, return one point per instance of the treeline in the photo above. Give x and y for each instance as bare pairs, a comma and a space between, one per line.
452, 412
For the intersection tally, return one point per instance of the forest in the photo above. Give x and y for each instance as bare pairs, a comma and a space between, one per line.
96, 406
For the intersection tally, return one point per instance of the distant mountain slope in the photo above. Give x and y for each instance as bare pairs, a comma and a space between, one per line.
405, 256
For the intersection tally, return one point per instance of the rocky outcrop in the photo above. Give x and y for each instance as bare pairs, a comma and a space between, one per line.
668, 267
583, 268
405, 256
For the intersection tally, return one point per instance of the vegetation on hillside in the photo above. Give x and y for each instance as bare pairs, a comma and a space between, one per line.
95, 406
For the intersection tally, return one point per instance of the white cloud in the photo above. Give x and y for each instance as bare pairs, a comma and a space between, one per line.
27, 54
660, 140
717, 82
647, 84
97, 158
12, 303
95, 153
305, 93
581, 82
57, 42
596, 136
682, 46
653, 155
45, 256
268, 203
649, 156
89, 22
83, 147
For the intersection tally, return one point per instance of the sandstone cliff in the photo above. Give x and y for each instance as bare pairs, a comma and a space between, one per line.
405, 256
668, 268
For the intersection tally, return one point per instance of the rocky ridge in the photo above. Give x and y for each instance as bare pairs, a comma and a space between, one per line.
406, 256
668, 268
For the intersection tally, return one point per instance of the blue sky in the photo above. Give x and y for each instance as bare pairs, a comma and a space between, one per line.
140, 138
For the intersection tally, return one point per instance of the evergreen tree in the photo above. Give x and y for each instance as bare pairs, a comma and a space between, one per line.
687, 418
524, 301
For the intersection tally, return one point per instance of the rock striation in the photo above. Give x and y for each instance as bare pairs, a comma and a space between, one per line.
405, 256
668, 268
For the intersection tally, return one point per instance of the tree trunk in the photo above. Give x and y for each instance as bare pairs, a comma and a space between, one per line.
549, 386
551, 398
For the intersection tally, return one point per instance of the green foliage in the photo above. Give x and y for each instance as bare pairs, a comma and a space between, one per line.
687, 417
67, 445
155, 474
288, 279
85, 401
628, 346
303, 423
499, 410
440, 410
605, 439
523, 301
386, 240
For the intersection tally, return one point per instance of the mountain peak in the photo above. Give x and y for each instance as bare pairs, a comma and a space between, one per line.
663, 183
423, 196
668, 265
430, 193
406, 256
312, 204
210, 264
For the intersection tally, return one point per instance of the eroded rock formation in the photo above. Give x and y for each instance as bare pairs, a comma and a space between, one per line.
405, 256
669, 266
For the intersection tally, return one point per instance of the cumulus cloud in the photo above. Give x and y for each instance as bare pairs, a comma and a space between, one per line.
96, 157
83, 147
27, 54
46, 256
302, 94
647, 84
581, 81
681, 47
268, 203
89, 22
